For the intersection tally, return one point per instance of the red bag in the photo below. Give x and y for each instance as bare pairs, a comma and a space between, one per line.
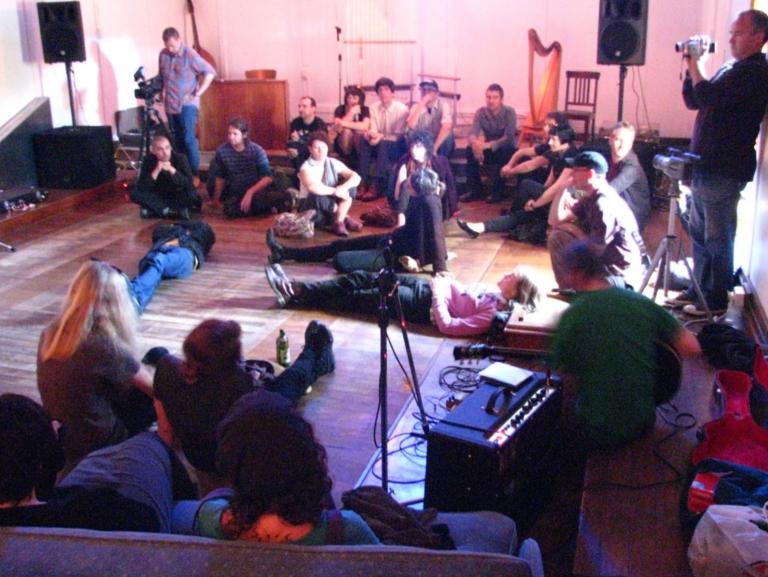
735, 437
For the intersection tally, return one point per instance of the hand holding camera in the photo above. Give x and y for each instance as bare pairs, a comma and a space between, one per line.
696, 47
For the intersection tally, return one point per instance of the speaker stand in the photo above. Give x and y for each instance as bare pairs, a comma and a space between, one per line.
622, 79
68, 65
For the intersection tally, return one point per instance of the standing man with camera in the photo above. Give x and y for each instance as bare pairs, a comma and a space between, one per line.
186, 76
731, 106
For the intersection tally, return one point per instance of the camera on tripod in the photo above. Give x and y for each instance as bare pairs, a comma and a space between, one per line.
676, 164
147, 89
696, 46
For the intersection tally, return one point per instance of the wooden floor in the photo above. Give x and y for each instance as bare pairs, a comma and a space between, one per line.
231, 284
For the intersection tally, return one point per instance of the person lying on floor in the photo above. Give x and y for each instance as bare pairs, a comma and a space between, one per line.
279, 480
422, 238
177, 250
130, 486
455, 310
195, 392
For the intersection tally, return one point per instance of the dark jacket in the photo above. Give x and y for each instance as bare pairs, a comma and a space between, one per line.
196, 235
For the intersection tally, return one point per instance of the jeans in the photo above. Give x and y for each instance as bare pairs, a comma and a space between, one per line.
447, 147
292, 383
496, 158
358, 292
183, 127
528, 189
141, 469
164, 263
713, 232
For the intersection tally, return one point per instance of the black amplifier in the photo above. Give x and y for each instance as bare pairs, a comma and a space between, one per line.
500, 457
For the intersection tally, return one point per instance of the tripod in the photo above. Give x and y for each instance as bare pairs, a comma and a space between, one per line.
663, 256
388, 285
7, 247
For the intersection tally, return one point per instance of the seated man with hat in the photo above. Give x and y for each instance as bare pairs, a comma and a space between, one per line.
592, 209
435, 115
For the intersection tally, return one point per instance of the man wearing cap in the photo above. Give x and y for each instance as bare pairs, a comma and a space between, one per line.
433, 114
593, 209
730, 106
492, 142
385, 139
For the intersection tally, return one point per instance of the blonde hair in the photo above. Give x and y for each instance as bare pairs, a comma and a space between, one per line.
97, 302
528, 294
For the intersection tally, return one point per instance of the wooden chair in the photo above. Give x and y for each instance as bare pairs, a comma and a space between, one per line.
261, 74
544, 100
581, 101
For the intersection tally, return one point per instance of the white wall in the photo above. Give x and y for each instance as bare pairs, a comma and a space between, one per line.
481, 43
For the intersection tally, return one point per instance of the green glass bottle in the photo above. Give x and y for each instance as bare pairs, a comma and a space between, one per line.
283, 349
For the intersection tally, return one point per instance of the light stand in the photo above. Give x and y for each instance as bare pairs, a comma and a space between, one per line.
338, 46
663, 256
388, 283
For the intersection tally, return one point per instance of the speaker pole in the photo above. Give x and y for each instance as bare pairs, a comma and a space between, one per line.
68, 64
622, 78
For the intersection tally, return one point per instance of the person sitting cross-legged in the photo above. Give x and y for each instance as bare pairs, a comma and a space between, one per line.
421, 239
328, 187
164, 187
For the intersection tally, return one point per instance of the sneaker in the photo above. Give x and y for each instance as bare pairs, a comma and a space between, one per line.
145, 213
318, 337
275, 248
409, 264
684, 298
353, 224
696, 310
279, 283
154, 355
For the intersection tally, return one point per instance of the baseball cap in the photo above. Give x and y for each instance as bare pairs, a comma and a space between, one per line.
589, 159
429, 84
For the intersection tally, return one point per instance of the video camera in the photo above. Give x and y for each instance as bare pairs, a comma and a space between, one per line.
676, 164
147, 89
696, 46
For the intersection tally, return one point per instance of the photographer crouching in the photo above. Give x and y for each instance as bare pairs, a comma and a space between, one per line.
731, 105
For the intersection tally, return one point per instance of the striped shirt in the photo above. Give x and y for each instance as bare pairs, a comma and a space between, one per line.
180, 72
241, 170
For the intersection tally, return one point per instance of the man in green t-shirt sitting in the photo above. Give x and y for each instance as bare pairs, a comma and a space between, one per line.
605, 348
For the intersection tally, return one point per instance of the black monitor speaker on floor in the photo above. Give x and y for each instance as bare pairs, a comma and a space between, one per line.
61, 31
74, 156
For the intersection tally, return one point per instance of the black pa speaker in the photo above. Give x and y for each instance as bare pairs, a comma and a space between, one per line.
61, 31
622, 31
74, 156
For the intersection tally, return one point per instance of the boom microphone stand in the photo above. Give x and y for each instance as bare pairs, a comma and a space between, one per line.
666, 249
388, 283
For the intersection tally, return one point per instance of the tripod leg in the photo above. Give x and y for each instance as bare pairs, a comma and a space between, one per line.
415, 386
383, 324
660, 252
8, 247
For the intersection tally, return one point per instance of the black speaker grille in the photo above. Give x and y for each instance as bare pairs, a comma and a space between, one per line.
618, 41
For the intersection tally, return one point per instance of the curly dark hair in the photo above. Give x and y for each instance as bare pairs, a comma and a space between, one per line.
423, 137
269, 454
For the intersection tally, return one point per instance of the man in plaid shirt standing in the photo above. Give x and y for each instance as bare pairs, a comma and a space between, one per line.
186, 76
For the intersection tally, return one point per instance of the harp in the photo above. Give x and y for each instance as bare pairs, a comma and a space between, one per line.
543, 98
